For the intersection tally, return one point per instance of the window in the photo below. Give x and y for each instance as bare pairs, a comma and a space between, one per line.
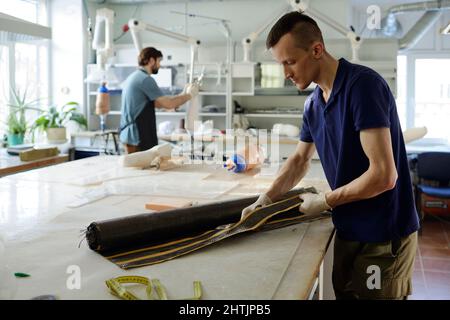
432, 96
29, 10
23, 65
31, 66
401, 90
4, 87
424, 93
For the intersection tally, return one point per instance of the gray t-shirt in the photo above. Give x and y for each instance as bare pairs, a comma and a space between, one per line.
138, 90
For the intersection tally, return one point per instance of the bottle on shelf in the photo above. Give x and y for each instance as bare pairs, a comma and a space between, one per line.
246, 159
102, 104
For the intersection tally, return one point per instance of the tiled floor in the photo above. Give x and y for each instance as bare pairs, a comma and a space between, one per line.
431, 279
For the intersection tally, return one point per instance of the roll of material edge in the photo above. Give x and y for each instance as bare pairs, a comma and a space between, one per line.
119, 239
413, 134
144, 159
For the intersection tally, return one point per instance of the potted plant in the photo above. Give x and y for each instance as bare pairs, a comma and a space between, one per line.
53, 121
16, 120
17, 128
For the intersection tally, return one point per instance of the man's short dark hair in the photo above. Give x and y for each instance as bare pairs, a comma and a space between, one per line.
146, 54
303, 28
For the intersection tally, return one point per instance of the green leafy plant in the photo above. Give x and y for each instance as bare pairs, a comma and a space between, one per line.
18, 106
16, 124
52, 118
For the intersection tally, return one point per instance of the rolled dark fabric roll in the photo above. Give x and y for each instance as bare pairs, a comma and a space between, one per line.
154, 227
119, 234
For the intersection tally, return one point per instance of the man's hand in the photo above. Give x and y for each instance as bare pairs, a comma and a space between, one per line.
262, 201
191, 89
313, 203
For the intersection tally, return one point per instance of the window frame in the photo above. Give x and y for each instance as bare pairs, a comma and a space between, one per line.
411, 58
12, 57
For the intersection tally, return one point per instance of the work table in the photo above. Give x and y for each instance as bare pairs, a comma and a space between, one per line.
10, 164
43, 213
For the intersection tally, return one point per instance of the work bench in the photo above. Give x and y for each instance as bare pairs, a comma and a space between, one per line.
42, 217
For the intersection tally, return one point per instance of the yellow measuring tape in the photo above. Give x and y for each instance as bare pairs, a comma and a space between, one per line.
152, 285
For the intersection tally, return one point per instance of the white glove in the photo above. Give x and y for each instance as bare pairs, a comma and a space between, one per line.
313, 203
185, 88
192, 89
262, 201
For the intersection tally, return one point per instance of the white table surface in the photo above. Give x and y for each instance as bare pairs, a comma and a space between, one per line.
42, 236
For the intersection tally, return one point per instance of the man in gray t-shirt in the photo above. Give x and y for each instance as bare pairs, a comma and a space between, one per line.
140, 96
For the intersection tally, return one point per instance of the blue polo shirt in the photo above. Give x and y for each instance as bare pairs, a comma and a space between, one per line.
360, 99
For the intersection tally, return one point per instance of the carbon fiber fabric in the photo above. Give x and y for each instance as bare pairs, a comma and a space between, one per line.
147, 239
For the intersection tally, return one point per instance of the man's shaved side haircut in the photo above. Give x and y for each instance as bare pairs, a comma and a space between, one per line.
303, 28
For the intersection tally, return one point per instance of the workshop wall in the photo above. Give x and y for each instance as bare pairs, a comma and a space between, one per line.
244, 16
207, 31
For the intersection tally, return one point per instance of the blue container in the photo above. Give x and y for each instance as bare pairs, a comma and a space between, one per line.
239, 164
15, 138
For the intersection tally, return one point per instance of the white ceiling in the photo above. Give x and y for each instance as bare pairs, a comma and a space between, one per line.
382, 3
355, 3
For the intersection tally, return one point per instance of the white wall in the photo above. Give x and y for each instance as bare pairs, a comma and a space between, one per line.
244, 17
241, 23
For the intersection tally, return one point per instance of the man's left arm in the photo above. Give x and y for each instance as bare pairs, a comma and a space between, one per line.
172, 102
381, 175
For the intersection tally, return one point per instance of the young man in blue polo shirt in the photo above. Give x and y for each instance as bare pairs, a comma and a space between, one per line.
140, 96
351, 120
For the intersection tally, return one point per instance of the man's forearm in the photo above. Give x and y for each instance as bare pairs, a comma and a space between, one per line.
370, 184
178, 100
290, 175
